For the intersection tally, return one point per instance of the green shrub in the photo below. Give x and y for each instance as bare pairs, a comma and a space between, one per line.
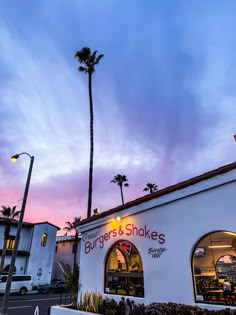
72, 281
182, 309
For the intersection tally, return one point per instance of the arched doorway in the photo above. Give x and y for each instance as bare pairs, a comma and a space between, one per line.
124, 270
214, 268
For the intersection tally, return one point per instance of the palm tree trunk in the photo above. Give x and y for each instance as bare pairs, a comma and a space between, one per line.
90, 188
121, 192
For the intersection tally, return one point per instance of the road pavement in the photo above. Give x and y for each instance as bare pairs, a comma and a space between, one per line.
27, 304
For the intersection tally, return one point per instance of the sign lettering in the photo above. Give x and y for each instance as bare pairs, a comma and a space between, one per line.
95, 240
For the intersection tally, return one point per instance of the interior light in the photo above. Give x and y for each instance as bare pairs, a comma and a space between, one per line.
220, 246
118, 218
230, 233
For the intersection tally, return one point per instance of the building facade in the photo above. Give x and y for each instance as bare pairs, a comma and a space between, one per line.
175, 245
66, 252
35, 251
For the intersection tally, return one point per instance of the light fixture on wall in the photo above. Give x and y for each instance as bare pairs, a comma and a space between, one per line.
96, 211
116, 219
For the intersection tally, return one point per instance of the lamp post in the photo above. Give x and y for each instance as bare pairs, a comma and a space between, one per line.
18, 232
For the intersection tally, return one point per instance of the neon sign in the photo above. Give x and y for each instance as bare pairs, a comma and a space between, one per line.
125, 246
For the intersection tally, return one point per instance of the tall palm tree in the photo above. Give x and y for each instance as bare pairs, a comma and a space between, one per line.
151, 187
88, 61
121, 181
8, 214
71, 226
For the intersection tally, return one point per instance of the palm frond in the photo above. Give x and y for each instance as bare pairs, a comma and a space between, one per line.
82, 69
83, 54
98, 59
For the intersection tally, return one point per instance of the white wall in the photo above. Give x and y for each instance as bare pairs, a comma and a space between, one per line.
41, 258
184, 216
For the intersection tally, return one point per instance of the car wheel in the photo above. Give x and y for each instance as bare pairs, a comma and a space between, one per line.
50, 291
23, 291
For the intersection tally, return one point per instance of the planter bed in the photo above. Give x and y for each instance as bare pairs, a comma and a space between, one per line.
65, 310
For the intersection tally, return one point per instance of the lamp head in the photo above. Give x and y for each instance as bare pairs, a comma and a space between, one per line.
15, 157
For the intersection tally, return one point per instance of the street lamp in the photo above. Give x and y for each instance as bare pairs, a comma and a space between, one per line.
17, 239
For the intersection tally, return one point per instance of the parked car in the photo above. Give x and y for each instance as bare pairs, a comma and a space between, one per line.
20, 283
53, 287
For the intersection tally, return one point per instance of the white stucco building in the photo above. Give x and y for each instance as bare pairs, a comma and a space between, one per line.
177, 244
35, 252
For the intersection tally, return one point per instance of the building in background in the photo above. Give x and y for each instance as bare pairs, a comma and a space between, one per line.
64, 255
35, 252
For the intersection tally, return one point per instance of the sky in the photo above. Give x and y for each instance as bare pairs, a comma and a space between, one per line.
164, 99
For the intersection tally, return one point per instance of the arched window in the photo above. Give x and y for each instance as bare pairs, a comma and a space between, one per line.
214, 268
124, 270
44, 239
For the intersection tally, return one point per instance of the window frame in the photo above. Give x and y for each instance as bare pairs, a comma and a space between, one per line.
129, 282
206, 281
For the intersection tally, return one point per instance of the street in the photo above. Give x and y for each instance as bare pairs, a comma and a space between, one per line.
26, 304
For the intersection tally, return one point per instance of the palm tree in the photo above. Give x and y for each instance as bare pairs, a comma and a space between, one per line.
71, 226
151, 187
89, 60
121, 181
8, 214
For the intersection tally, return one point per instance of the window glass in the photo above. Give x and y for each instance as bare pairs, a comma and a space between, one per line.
21, 278
124, 270
44, 239
10, 243
214, 268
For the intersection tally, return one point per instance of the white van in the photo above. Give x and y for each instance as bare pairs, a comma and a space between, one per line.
20, 284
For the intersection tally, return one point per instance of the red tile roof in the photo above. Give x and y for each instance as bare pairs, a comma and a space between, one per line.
164, 191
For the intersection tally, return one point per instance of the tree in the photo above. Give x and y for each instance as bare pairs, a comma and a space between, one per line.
121, 181
88, 61
71, 226
72, 281
8, 214
151, 187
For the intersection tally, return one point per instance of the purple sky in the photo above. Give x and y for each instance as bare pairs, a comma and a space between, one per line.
164, 98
